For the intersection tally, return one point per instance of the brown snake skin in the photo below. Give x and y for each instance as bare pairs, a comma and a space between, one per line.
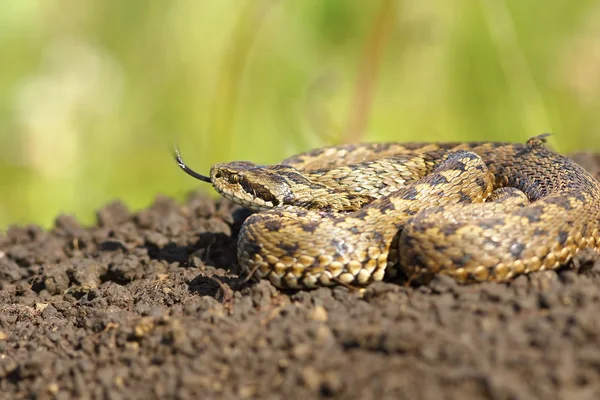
351, 214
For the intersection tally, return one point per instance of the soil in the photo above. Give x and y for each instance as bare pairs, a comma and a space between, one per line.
148, 305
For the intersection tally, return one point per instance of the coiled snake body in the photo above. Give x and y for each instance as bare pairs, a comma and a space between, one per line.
354, 213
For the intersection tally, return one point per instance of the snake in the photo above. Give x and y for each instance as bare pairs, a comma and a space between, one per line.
353, 214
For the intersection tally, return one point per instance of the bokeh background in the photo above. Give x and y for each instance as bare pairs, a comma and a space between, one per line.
93, 92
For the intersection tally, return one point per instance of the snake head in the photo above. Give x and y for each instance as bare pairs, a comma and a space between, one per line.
257, 187
254, 186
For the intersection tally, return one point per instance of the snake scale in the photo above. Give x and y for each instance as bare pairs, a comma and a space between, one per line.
351, 214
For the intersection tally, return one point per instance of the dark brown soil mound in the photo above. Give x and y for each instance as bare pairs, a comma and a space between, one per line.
144, 305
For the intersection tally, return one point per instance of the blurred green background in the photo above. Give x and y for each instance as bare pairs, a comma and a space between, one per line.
93, 92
